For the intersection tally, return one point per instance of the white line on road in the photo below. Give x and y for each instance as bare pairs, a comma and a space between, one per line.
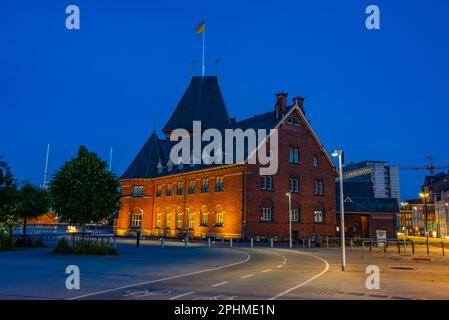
163, 279
247, 276
279, 266
219, 284
307, 281
283, 262
267, 270
181, 295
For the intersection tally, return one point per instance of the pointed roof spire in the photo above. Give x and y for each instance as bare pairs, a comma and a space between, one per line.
202, 101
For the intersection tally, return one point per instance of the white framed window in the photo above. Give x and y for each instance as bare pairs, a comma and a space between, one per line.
295, 215
159, 191
204, 218
167, 220
315, 161
192, 187
318, 188
205, 185
136, 220
180, 189
136, 191
141, 191
219, 185
220, 218
318, 216
293, 155
293, 185
191, 221
179, 221
293, 120
158, 220
265, 214
267, 183
169, 189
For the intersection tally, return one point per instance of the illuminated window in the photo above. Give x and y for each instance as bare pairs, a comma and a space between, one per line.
205, 185
204, 218
265, 214
318, 216
267, 183
136, 191
141, 191
167, 220
191, 221
219, 185
158, 220
293, 185
136, 220
220, 218
169, 189
179, 221
293, 155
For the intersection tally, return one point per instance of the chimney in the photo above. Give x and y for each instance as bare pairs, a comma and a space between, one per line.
298, 100
281, 104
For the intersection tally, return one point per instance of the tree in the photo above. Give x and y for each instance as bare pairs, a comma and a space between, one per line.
83, 190
33, 203
9, 197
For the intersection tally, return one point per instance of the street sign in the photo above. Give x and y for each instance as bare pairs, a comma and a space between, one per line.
381, 237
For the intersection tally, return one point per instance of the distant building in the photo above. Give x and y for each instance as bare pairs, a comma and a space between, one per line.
384, 177
365, 213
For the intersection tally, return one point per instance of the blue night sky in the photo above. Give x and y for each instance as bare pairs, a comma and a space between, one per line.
379, 95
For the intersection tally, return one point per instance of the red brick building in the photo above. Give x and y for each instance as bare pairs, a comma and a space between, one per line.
230, 200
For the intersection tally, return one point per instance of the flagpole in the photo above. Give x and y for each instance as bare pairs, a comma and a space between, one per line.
204, 40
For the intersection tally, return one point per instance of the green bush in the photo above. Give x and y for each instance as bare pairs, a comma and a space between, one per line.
6, 242
84, 248
62, 247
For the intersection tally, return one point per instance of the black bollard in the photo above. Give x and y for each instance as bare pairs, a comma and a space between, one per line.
138, 239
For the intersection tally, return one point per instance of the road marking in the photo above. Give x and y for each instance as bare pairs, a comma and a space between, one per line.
283, 262
247, 276
279, 266
307, 281
268, 270
219, 284
162, 279
181, 295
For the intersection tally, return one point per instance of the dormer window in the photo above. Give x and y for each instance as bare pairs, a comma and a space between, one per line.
169, 166
159, 167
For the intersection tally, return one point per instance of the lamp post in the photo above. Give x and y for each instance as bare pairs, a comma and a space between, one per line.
425, 196
188, 226
339, 154
290, 218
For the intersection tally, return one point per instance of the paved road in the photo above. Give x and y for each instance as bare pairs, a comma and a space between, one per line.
260, 274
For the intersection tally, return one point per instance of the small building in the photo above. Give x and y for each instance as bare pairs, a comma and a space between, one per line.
364, 213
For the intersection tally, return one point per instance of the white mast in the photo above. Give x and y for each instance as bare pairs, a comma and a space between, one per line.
44, 184
203, 69
110, 159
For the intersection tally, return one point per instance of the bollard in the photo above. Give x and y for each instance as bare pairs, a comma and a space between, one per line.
138, 240
208, 243
162, 242
399, 247
222, 240
413, 247
442, 247
350, 243
271, 242
303, 243
252, 242
310, 243
327, 242
427, 245
370, 246
230, 242
404, 245
186, 242
115, 242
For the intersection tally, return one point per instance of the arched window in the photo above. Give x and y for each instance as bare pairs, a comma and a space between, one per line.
136, 218
204, 215
319, 215
219, 215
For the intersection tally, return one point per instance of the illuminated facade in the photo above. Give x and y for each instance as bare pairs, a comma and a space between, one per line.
232, 200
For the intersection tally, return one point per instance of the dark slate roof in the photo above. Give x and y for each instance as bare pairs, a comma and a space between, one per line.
155, 149
201, 101
362, 196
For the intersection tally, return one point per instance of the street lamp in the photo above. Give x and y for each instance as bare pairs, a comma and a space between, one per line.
188, 226
339, 154
290, 218
425, 196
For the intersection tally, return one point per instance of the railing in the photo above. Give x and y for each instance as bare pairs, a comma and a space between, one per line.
74, 237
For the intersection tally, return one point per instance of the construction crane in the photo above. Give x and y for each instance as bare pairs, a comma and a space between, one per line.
430, 167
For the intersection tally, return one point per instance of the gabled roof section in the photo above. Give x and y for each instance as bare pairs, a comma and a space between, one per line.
201, 101
146, 162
